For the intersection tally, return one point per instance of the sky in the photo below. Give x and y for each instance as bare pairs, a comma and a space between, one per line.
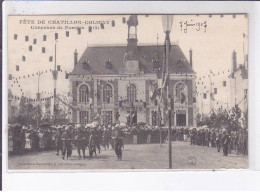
212, 47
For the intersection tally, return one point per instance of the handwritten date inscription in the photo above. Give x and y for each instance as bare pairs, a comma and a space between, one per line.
192, 25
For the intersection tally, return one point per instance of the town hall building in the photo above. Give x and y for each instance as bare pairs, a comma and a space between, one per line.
116, 83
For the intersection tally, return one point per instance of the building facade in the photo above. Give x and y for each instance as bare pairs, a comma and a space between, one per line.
239, 84
118, 83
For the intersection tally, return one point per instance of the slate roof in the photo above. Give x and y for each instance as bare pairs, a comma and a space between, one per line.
99, 55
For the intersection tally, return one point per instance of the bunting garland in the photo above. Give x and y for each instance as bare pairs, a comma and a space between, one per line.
90, 29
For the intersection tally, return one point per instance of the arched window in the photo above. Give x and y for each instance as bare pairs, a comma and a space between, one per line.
83, 93
107, 93
131, 93
181, 93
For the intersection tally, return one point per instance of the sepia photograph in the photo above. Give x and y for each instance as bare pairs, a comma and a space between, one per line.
127, 92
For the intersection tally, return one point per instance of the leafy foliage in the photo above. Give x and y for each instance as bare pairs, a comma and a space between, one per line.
232, 120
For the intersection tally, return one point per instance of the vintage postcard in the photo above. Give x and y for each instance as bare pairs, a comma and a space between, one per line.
95, 92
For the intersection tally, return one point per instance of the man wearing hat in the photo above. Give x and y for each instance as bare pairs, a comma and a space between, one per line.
80, 142
118, 137
225, 142
65, 143
106, 138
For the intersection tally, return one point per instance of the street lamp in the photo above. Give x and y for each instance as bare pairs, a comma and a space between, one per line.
167, 21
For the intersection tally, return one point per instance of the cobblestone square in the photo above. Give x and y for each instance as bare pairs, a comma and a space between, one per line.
135, 156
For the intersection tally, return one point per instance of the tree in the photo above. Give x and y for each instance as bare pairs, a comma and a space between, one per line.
22, 116
234, 123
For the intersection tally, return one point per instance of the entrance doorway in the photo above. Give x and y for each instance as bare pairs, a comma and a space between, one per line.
181, 119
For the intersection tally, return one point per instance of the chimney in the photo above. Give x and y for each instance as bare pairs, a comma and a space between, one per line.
75, 57
191, 57
234, 61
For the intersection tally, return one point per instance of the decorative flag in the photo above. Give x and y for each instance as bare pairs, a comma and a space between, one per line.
26, 38
113, 23
123, 20
15, 36
30, 48
102, 26
43, 49
34, 41
205, 95
50, 58
79, 30
44, 37
56, 36
67, 33
224, 83
90, 29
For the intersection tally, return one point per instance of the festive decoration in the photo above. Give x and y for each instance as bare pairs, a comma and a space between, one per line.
56, 36
224, 84
79, 30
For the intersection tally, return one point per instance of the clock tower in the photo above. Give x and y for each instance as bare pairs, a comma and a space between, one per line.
131, 63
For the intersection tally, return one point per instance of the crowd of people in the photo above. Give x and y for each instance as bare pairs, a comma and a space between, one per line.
93, 137
221, 139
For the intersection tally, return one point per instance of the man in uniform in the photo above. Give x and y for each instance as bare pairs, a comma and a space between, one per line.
66, 141
192, 133
218, 140
118, 137
80, 142
106, 138
225, 143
